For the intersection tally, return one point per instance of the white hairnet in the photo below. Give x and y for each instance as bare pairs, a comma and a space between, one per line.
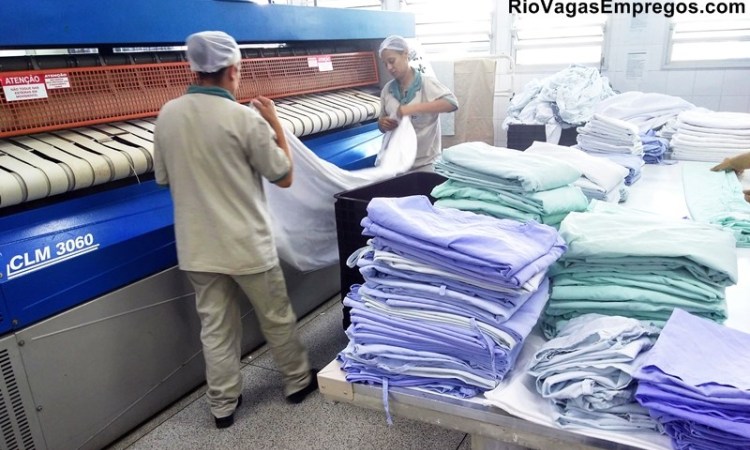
211, 51
395, 43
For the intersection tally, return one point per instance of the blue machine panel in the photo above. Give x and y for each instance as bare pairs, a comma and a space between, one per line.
45, 23
351, 149
56, 257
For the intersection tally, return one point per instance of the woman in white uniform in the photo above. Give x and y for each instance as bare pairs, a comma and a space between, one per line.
411, 93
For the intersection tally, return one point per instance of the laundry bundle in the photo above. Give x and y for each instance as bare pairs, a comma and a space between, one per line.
449, 296
507, 183
566, 98
600, 179
587, 372
710, 136
717, 198
640, 265
695, 382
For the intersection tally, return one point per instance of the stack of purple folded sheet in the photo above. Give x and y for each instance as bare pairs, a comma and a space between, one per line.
449, 296
696, 382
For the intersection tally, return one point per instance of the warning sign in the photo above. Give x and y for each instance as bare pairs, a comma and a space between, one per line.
57, 80
325, 64
23, 86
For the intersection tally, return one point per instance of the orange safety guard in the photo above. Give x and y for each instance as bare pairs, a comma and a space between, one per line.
93, 95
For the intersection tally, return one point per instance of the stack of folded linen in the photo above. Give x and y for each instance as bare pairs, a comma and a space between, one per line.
641, 265
449, 296
601, 179
646, 110
717, 198
616, 140
587, 372
507, 183
695, 382
607, 135
710, 136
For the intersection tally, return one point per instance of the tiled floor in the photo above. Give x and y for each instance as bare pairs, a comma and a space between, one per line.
266, 421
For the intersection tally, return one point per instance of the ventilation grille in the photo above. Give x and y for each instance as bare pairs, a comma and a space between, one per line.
91, 95
14, 425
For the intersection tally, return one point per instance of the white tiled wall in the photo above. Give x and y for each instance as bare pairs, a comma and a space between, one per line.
718, 89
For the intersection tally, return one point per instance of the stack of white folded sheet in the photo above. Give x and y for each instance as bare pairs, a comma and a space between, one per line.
448, 299
641, 265
587, 372
507, 183
616, 140
601, 179
710, 136
717, 198
645, 110
608, 135
695, 382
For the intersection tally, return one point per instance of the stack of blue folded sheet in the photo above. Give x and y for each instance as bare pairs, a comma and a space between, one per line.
654, 147
587, 372
695, 382
449, 296
508, 184
630, 263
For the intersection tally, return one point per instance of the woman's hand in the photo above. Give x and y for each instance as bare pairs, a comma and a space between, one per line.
738, 163
387, 124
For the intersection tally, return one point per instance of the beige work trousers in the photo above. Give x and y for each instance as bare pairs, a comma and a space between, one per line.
217, 300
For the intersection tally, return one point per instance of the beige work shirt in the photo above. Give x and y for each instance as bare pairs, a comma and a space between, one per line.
212, 152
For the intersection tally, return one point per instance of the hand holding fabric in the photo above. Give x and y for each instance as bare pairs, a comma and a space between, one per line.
266, 108
737, 163
387, 124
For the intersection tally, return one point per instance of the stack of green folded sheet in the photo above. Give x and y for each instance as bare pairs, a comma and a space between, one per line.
508, 184
636, 264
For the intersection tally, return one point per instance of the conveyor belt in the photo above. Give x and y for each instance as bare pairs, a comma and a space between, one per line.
312, 113
40, 165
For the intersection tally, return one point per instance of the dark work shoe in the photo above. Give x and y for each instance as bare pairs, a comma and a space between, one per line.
300, 395
226, 422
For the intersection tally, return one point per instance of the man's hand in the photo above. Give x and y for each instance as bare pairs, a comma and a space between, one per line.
747, 195
737, 163
387, 124
266, 108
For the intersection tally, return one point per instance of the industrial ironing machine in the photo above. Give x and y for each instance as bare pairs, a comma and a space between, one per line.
98, 330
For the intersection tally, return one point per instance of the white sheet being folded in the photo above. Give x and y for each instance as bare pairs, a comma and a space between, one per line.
303, 215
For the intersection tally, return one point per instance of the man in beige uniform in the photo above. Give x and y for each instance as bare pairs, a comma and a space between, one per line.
212, 152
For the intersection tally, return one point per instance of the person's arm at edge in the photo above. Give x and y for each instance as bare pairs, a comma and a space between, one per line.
737, 163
